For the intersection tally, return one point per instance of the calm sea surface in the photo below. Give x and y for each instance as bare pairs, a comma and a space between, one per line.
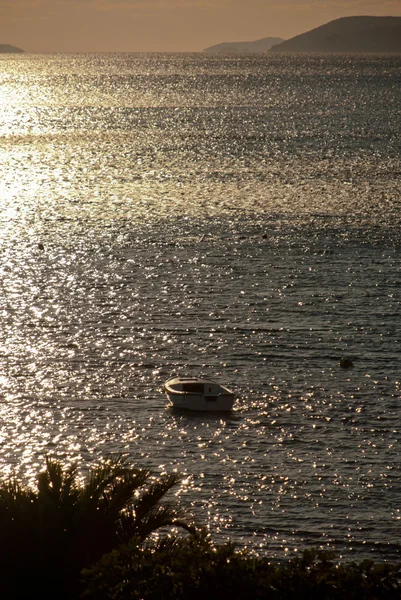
237, 217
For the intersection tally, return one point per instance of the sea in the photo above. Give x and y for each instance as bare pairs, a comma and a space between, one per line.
236, 217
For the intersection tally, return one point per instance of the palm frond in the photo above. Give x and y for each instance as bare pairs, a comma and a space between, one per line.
102, 477
120, 494
160, 517
58, 493
50, 481
14, 499
70, 486
151, 497
169, 544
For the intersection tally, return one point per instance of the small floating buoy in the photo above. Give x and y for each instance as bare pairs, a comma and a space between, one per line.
346, 363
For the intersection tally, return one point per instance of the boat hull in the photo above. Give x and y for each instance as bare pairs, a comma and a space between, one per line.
198, 402
198, 395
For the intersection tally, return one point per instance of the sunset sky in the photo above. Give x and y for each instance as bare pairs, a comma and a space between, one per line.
166, 25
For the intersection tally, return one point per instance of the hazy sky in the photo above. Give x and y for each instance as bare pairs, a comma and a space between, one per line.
166, 25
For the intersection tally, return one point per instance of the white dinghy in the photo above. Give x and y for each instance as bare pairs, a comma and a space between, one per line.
192, 393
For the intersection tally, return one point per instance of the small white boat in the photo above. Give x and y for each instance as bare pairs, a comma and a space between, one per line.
192, 393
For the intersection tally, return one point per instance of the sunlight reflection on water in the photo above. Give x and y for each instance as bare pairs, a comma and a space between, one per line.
164, 214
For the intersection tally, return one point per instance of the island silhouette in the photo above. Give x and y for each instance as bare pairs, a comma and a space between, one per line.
7, 49
348, 34
344, 35
262, 45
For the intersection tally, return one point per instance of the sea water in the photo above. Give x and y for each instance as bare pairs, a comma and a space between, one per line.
236, 217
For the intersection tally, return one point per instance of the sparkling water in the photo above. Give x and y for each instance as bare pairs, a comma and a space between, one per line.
236, 217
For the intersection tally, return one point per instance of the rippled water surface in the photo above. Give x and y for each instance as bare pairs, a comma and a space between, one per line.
236, 217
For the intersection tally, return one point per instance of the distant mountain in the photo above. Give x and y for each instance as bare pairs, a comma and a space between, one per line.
349, 34
7, 49
262, 45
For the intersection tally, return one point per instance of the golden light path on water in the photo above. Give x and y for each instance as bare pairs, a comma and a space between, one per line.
235, 218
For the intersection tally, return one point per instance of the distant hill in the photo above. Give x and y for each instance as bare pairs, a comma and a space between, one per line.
7, 49
262, 45
349, 34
